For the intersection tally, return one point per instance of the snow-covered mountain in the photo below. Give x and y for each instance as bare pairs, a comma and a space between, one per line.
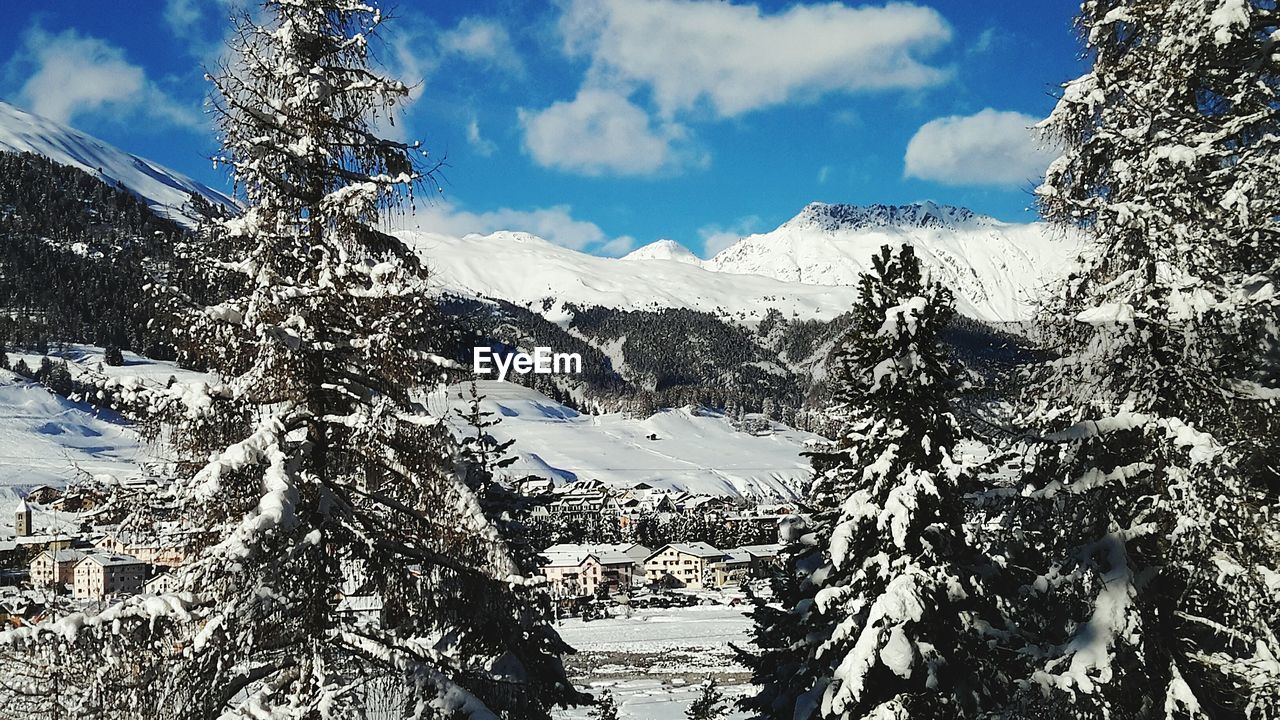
165, 191
807, 268
996, 269
665, 250
529, 271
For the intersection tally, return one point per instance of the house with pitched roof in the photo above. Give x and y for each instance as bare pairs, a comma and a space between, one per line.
687, 565
101, 575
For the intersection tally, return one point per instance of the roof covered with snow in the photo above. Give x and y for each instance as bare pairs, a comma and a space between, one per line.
697, 549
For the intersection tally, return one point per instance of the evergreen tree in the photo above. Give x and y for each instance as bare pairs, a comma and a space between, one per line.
883, 614
58, 378
710, 704
1150, 497
482, 455
113, 356
309, 477
21, 368
605, 708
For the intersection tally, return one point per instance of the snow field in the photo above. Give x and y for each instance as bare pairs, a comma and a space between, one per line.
700, 453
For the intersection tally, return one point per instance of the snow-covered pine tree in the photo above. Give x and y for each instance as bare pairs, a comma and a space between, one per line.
710, 703
333, 545
605, 708
882, 615
1159, 475
481, 456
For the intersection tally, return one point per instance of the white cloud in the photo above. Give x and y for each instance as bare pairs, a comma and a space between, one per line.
484, 40
555, 224
989, 148
70, 75
483, 146
602, 132
203, 26
737, 58
182, 15
618, 246
717, 237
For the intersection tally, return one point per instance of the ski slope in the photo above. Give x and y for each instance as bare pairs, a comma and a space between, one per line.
168, 193
700, 453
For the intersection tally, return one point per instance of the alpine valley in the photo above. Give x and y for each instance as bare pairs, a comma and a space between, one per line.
741, 336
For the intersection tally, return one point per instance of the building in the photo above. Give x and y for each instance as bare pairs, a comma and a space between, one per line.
687, 565
621, 563
22, 519
55, 567
161, 584
764, 558
733, 569
573, 574
102, 575
148, 551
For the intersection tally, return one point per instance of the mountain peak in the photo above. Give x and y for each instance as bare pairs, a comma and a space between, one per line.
841, 216
664, 250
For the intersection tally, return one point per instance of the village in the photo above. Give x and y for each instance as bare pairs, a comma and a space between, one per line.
49, 567
614, 561
588, 535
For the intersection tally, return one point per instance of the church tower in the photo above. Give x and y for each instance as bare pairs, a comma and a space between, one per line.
22, 519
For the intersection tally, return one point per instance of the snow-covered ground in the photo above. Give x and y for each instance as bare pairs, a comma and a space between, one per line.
46, 439
647, 699
697, 452
136, 369
654, 660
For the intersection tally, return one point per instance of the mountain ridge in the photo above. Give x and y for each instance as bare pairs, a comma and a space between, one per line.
807, 267
167, 192
848, 216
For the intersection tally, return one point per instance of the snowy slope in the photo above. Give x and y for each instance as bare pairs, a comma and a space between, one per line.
46, 439
136, 370
167, 192
994, 268
697, 453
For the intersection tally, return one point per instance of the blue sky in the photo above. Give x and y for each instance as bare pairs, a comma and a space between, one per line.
607, 124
